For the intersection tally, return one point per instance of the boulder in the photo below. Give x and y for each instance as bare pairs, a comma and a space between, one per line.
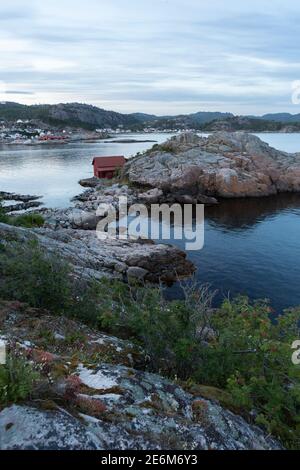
90, 182
83, 220
136, 273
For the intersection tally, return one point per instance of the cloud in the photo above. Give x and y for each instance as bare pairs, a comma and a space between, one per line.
18, 92
157, 57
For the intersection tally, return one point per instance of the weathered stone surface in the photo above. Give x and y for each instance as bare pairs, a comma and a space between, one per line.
27, 428
136, 273
94, 258
139, 411
18, 197
223, 165
22, 206
109, 194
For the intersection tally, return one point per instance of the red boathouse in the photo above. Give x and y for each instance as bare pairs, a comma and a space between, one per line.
105, 167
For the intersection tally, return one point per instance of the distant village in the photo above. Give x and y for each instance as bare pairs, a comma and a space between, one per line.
28, 132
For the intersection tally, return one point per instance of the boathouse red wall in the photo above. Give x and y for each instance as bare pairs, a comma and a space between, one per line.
105, 167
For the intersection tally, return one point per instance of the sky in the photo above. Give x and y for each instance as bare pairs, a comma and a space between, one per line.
155, 56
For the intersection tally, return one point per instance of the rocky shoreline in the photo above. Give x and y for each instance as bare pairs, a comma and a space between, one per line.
21, 202
187, 169
91, 258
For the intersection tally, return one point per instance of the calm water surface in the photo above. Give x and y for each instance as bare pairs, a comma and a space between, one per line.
54, 171
251, 246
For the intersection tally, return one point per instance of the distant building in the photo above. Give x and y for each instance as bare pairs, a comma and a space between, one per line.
105, 167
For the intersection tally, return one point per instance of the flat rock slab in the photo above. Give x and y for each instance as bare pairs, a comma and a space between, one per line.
92, 258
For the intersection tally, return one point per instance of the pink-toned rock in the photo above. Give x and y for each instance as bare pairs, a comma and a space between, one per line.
223, 164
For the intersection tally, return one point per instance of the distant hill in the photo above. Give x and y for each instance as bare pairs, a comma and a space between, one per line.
203, 117
91, 117
142, 117
70, 114
85, 116
237, 123
282, 117
251, 124
181, 120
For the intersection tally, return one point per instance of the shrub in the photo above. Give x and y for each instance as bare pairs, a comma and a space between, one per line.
164, 147
43, 280
28, 274
28, 220
256, 367
17, 379
169, 331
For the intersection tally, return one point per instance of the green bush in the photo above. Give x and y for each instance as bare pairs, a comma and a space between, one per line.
43, 280
27, 220
169, 331
17, 379
28, 274
258, 366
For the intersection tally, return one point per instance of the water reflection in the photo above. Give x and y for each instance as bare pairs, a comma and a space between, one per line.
243, 214
251, 247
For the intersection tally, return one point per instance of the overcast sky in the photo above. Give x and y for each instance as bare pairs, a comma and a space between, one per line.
154, 56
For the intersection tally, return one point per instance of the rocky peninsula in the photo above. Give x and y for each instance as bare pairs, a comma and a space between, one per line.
223, 165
